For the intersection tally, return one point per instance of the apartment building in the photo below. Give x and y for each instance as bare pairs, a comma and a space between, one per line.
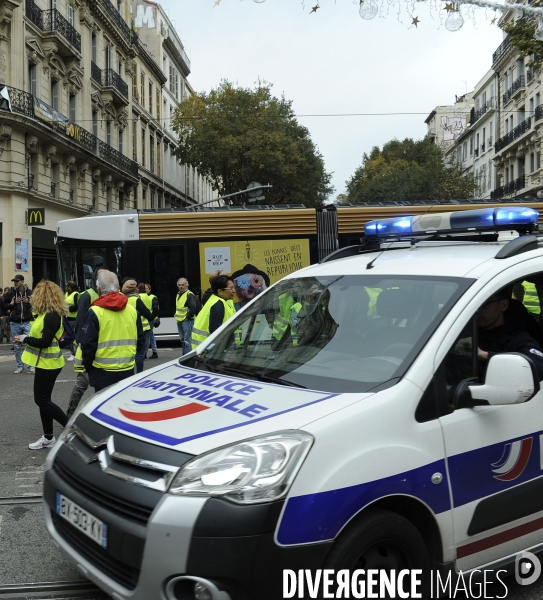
446, 123
82, 126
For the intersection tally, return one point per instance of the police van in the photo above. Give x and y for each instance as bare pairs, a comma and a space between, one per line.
341, 420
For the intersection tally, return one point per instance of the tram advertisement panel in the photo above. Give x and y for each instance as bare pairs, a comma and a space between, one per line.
253, 264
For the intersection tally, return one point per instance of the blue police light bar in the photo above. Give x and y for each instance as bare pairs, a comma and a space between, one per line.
484, 219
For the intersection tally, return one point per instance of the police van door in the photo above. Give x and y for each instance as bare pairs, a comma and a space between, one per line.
494, 453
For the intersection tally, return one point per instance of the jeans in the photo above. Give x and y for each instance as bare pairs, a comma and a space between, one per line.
185, 334
19, 329
80, 387
153, 342
44, 382
143, 351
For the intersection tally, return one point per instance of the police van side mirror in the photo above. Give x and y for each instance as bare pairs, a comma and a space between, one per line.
510, 379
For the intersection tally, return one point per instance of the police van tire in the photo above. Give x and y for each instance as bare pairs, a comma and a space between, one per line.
379, 539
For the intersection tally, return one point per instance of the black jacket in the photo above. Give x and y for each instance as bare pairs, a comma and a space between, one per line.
19, 311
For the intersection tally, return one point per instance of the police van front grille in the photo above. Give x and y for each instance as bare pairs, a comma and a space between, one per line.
120, 506
119, 571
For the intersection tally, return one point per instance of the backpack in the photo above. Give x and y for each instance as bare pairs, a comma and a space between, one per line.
68, 336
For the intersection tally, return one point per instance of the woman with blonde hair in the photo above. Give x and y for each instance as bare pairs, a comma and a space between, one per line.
43, 352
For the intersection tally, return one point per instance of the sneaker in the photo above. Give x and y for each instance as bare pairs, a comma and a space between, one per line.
154, 355
31, 371
18, 370
70, 358
43, 442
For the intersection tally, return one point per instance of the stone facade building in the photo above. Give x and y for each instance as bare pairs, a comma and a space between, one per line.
84, 120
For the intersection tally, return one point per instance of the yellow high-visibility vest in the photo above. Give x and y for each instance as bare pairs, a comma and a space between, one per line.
44, 358
181, 310
282, 318
149, 304
531, 298
70, 299
200, 330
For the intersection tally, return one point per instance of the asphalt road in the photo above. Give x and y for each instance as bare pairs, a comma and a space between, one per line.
26, 552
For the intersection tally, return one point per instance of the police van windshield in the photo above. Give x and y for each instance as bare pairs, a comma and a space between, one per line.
338, 334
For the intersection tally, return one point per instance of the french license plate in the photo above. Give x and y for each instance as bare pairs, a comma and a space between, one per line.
82, 519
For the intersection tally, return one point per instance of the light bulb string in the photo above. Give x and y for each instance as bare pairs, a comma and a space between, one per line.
505, 7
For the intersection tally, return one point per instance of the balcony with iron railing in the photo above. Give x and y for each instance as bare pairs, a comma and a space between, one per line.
518, 85
513, 135
111, 79
501, 50
96, 73
115, 17
486, 107
147, 58
55, 25
23, 103
509, 188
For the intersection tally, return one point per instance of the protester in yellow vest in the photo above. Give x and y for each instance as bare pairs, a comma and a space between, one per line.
216, 311
130, 289
44, 354
72, 297
156, 322
186, 308
111, 335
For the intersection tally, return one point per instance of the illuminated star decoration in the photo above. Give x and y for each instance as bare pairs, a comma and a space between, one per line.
493, 21
449, 7
415, 21
314, 9
217, 2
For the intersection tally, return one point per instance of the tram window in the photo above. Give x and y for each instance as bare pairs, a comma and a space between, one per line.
166, 266
93, 257
68, 259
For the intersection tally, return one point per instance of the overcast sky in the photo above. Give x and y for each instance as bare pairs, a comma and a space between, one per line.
333, 62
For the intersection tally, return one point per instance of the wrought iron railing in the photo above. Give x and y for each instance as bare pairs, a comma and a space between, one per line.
477, 114
517, 85
23, 103
96, 72
509, 188
34, 14
112, 79
116, 17
538, 112
114, 157
54, 21
501, 49
513, 134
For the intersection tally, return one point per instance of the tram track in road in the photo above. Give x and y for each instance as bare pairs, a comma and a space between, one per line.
52, 590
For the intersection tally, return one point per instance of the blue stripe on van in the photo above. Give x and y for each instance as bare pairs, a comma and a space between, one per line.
319, 517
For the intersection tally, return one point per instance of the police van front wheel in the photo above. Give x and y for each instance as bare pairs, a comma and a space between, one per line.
384, 541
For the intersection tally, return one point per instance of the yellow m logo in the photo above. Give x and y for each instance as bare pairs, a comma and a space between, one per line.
35, 216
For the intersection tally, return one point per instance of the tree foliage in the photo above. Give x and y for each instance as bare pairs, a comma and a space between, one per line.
237, 135
521, 36
408, 170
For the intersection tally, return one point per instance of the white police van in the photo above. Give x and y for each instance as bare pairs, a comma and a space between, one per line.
339, 421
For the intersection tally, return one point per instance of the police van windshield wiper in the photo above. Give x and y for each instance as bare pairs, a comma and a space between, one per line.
258, 375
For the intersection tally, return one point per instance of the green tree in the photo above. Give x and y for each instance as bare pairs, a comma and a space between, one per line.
237, 135
408, 170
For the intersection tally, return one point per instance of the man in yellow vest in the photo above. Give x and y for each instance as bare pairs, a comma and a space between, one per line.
130, 289
186, 308
216, 311
111, 335
71, 296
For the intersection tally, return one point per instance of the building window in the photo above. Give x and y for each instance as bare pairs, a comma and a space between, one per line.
93, 48
464, 151
471, 145
158, 161
134, 143
142, 89
152, 153
108, 133
121, 142
158, 103
151, 97
537, 160
71, 15
144, 198
94, 123
32, 79
532, 162
73, 115
54, 94
143, 147
153, 199
134, 86
537, 99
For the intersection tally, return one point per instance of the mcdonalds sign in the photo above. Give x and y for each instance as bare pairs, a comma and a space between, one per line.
35, 216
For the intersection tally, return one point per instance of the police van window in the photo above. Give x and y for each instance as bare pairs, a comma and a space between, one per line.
338, 334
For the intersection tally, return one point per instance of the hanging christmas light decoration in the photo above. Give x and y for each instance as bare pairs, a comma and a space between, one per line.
454, 21
368, 9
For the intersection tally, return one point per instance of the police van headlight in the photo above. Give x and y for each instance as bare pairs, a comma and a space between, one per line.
255, 470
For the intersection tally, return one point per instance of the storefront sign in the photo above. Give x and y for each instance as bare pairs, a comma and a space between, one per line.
35, 216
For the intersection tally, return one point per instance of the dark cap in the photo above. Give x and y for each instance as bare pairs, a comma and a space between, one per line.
18, 278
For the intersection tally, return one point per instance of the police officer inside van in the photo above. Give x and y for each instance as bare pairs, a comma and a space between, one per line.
497, 334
